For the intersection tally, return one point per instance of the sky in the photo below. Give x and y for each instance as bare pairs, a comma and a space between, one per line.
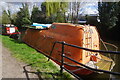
89, 7
14, 6
86, 7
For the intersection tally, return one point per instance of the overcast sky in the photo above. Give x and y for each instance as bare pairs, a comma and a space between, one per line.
86, 7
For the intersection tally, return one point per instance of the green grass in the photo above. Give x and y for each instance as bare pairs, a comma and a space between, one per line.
29, 55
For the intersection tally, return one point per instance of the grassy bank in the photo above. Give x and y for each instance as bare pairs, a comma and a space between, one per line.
29, 55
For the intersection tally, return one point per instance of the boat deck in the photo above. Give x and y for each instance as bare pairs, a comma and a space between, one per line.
105, 63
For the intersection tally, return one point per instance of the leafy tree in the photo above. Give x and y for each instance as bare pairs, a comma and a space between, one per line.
0, 19
118, 22
109, 15
108, 12
13, 18
37, 15
5, 18
10, 16
57, 9
23, 16
43, 7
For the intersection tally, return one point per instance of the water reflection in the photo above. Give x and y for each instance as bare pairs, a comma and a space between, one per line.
116, 60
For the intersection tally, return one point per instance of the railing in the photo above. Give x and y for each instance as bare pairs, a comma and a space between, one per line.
81, 65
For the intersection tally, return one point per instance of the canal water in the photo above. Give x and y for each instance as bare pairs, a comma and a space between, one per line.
116, 68
117, 61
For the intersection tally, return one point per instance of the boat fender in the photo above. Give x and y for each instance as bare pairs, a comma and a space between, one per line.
93, 57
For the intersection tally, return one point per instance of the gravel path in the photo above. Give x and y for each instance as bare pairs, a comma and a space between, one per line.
11, 67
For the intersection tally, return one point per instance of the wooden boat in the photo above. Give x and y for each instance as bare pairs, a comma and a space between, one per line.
81, 35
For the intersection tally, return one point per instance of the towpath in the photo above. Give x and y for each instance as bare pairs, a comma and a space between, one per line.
11, 67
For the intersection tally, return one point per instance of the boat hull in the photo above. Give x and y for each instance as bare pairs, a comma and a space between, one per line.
43, 40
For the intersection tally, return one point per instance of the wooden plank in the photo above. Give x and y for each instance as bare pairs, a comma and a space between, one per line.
105, 63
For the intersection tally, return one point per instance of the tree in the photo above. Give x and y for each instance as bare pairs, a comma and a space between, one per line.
37, 15
57, 9
108, 12
0, 19
10, 16
13, 18
5, 18
23, 16
109, 19
118, 22
74, 9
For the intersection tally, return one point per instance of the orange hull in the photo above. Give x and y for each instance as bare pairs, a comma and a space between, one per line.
84, 36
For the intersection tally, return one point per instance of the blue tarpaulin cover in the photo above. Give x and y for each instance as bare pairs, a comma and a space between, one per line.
43, 25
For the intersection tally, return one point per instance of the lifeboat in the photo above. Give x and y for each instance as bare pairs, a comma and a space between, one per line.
43, 39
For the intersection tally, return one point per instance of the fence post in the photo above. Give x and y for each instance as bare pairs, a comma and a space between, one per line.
62, 58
